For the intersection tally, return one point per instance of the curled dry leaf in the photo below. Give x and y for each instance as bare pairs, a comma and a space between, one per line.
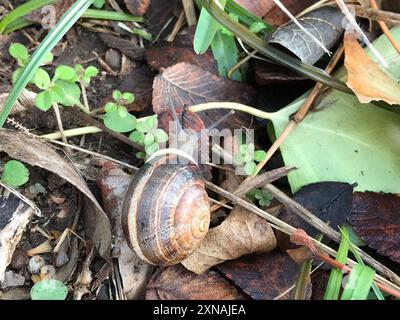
177, 283
375, 217
264, 276
39, 153
365, 77
240, 234
137, 7
324, 23
134, 272
184, 85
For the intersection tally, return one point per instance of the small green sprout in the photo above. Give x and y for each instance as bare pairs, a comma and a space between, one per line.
20, 53
148, 135
15, 174
85, 75
261, 196
248, 157
117, 117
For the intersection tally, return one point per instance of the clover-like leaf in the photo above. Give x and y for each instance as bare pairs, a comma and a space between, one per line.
160, 135
114, 122
89, 73
257, 26
66, 93
250, 168
41, 79
15, 174
128, 97
19, 52
140, 155
243, 149
260, 155
47, 58
142, 126
239, 159
117, 95
49, 289
64, 73
16, 75
151, 148
44, 100
137, 136
123, 112
148, 139
110, 107
152, 122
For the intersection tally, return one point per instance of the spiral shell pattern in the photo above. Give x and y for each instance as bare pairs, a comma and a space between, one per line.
166, 212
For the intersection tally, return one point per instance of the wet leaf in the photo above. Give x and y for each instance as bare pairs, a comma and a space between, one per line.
361, 69
38, 153
329, 201
324, 23
137, 7
240, 234
49, 289
375, 217
176, 283
264, 276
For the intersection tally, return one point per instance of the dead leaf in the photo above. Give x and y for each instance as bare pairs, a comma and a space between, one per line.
259, 8
15, 215
127, 47
39, 153
375, 217
184, 85
368, 81
264, 276
134, 272
240, 234
137, 7
59, 8
160, 17
301, 254
176, 283
330, 201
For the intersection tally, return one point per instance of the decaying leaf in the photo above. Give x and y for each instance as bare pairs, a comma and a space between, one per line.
240, 234
43, 14
184, 85
329, 201
264, 276
375, 217
177, 283
15, 214
127, 47
38, 153
366, 78
160, 17
277, 17
134, 272
137, 7
324, 23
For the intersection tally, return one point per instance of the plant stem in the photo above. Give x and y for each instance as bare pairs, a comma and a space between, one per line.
368, 13
72, 133
59, 121
85, 106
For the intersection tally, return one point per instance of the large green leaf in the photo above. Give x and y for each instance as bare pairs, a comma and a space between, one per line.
344, 140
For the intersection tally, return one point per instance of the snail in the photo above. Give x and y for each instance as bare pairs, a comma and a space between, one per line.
166, 210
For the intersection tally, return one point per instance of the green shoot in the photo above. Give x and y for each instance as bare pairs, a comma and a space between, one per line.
15, 174
248, 157
261, 196
117, 117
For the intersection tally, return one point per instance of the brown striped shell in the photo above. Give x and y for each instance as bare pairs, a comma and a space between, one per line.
166, 212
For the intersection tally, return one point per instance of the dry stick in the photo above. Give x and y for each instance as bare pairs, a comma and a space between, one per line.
289, 230
77, 113
178, 25
190, 12
59, 121
241, 62
385, 29
385, 16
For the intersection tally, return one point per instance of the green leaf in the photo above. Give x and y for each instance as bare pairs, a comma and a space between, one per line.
359, 283
99, 3
152, 122
258, 194
239, 159
225, 52
148, 139
47, 59
123, 112
44, 100
19, 52
64, 73
117, 95
53, 37
49, 289
89, 73
250, 168
150, 149
137, 136
160, 135
110, 107
258, 26
114, 122
66, 93
205, 31
336, 276
259, 155
142, 126
140, 155
224, 30
243, 149
41, 79
128, 97
15, 174
16, 75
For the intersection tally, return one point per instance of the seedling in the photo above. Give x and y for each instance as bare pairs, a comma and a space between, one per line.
248, 157
15, 174
261, 196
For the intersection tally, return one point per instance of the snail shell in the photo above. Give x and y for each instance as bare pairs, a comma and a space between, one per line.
166, 211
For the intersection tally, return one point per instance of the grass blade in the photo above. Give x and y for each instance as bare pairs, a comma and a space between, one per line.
269, 51
336, 276
359, 283
55, 35
110, 15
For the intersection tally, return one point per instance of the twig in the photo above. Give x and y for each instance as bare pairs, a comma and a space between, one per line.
385, 29
190, 12
178, 25
385, 16
72, 133
85, 99
241, 62
59, 122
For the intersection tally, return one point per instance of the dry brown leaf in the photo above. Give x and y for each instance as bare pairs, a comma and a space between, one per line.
259, 8
176, 283
277, 17
39, 153
240, 234
59, 8
137, 7
368, 81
